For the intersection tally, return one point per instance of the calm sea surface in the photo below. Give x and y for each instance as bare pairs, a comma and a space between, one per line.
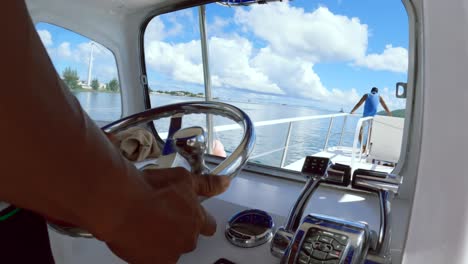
307, 137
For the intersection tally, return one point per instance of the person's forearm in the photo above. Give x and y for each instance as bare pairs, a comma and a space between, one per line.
384, 105
54, 159
361, 101
387, 110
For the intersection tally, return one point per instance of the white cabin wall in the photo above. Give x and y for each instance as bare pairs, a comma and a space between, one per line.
438, 228
133, 97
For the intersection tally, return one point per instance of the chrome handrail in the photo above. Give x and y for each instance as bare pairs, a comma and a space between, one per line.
290, 122
286, 145
356, 138
281, 121
328, 133
343, 130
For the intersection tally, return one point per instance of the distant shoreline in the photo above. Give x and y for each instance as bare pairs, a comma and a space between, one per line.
181, 93
92, 91
395, 113
202, 96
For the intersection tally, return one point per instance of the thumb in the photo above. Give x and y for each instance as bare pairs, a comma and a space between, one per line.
210, 185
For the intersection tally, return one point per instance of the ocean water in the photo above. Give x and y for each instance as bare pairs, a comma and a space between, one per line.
307, 137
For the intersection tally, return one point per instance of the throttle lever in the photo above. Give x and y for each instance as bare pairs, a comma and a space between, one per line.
314, 170
385, 186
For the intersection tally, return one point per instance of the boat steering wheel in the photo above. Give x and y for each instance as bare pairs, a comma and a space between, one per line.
230, 167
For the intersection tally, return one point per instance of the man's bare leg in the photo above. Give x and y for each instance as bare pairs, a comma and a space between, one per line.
363, 147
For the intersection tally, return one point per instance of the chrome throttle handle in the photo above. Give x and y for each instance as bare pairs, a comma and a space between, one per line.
315, 171
386, 187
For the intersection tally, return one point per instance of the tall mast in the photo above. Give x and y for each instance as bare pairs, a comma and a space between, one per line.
90, 64
206, 72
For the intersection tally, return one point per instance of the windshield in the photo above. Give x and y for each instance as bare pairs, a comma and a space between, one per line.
303, 66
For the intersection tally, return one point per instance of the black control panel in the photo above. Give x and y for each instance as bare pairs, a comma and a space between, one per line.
322, 247
315, 166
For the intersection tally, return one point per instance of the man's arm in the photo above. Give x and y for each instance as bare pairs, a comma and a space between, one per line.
363, 99
384, 105
57, 162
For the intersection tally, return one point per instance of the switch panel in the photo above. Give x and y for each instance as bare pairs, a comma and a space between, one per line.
315, 166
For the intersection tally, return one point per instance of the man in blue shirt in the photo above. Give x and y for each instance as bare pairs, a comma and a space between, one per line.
372, 101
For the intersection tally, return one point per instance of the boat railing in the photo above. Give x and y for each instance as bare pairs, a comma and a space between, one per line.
355, 155
290, 122
357, 132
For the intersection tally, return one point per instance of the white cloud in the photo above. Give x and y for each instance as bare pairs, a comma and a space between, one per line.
216, 28
176, 27
180, 61
297, 78
184, 14
317, 36
344, 98
232, 67
294, 75
155, 30
64, 51
46, 37
281, 63
159, 30
393, 59
235, 63
81, 52
391, 100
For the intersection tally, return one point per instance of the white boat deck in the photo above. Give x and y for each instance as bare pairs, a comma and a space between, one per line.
342, 155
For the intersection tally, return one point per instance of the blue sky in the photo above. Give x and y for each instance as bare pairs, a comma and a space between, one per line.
68, 49
324, 52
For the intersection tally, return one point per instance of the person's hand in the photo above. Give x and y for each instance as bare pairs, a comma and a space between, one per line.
168, 220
